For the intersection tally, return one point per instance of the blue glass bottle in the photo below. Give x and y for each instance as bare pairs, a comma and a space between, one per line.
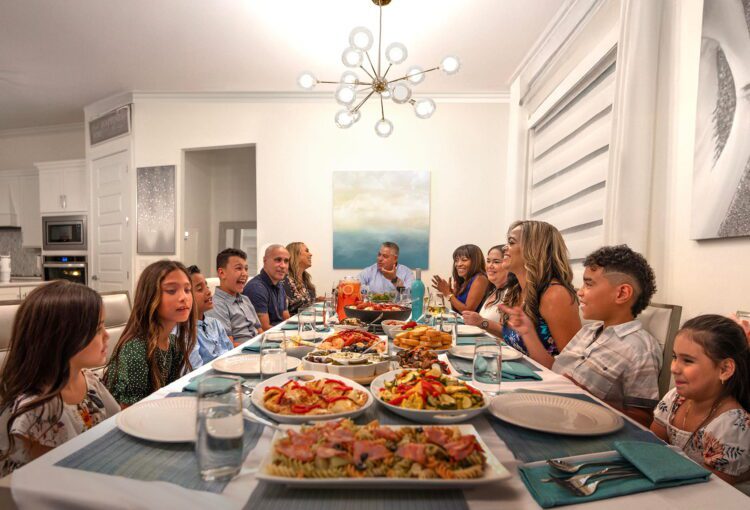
417, 296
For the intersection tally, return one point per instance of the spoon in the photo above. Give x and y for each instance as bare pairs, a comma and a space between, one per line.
246, 414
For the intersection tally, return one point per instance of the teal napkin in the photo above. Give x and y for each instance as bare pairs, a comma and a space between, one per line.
289, 326
676, 471
511, 370
471, 340
253, 346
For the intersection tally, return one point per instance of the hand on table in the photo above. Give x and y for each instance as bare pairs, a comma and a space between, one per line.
442, 286
472, 318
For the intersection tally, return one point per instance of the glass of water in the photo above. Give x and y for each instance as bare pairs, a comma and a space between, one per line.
272, 354
488, 363
219, 427
306, 321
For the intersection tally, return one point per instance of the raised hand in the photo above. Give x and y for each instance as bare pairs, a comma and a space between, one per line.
518, 320
440, 285
472, 318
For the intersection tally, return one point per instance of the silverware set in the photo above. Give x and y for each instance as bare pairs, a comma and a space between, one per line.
586, 484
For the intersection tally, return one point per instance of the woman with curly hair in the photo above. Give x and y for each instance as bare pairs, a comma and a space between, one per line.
543, 290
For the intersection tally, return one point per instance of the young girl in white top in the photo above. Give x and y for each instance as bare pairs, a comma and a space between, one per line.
706, 413
47, 395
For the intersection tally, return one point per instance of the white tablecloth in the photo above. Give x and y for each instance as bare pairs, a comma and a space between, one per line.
42, 485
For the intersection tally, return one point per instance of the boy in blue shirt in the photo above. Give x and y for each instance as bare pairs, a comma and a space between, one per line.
212, 337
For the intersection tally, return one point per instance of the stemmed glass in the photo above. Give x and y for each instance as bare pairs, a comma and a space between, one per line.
435, 307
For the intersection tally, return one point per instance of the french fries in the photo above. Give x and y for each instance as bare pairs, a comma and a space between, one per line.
423, 336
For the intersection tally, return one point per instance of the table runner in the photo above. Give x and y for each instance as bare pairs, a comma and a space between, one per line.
116, 453
530, 446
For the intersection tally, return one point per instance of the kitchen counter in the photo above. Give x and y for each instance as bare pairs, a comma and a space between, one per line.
23, 281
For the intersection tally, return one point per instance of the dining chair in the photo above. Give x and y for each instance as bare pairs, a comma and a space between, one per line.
663, 322
7, 315
117, 309
212, 283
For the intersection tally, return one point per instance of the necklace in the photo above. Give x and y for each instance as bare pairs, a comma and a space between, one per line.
711, 412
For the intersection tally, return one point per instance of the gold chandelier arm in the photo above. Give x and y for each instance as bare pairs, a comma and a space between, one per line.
386, 71
376, 73
380, 33
415, 74
382, 111
368, 74
345, 83
356, 108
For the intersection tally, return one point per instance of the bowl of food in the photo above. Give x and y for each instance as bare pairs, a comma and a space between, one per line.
350, 323
361, 368
422, 358
393, 327
353, 341
374, 313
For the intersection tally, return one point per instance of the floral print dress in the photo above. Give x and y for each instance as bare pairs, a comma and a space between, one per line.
41, 425
723, 444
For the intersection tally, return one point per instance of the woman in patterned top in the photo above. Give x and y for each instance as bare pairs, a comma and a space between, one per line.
300, 291
706, 414
47, 395
148, 356
536, 254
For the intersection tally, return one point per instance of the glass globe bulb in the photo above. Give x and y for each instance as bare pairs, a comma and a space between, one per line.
307, 81
360, 38
349, 77
424, 108
400, 93
415, 75
386, 94
396, 53
384, 128
450, 65
351, 57
343, 119
345, 95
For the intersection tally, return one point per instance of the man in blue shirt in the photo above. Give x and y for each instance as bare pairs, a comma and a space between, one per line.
386, 275
266, 290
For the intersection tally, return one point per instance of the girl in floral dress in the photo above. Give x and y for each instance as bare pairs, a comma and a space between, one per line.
48, 395
706, 413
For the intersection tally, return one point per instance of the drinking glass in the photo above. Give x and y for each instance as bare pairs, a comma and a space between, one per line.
436, 307
272, 354
219, 425
329, 308
306, 322
487, 373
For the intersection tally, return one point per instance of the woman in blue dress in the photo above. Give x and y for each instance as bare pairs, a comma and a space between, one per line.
466, 289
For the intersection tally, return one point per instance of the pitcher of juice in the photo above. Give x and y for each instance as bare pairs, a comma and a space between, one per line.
348, 294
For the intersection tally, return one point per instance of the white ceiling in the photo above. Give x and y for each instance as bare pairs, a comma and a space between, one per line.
58, 56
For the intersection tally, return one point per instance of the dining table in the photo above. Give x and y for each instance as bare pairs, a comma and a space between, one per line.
92, 471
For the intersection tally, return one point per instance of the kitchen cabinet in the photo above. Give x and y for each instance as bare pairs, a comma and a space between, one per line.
63, 187
17, 290
20, 189
10, 293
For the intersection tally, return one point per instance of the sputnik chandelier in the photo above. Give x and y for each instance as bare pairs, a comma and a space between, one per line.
397, 89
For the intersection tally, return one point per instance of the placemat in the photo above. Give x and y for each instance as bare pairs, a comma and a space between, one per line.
116, 453
530, 445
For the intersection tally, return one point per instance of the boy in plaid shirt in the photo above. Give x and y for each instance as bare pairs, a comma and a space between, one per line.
614, 358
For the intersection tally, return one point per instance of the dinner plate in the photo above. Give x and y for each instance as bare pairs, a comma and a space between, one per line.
548, 412
247, 364
422, 415
166, 420
303, 376
294, 319
465, 330
467, 352
494, 472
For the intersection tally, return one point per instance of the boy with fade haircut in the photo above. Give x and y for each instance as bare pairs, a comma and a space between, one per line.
614, 358
233, 309
212, 337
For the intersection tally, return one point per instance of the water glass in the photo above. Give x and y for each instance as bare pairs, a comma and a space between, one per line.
487, 373
272, 354
329, 308
219, 427
306, 320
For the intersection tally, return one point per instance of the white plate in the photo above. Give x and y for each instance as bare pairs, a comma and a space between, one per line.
294, 319
421, 415
467, 352
555, 414
493, 473
247, 364
281, 379
167, 420
465, 330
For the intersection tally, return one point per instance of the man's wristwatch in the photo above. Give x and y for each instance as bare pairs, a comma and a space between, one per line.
394, 280
484, 324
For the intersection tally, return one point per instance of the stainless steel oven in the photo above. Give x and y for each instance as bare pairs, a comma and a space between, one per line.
66, 267
64, 233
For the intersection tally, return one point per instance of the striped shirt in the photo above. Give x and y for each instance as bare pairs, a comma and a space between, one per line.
619, 364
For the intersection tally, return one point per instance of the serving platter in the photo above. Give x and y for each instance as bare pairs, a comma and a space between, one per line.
555, 414
494, 471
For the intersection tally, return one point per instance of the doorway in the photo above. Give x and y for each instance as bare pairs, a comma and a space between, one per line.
219, 208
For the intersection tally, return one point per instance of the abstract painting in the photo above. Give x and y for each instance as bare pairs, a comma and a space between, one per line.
156, 210
372, 207
721, 179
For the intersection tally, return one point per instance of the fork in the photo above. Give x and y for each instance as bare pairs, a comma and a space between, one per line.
590, 488
581, 479
567, 467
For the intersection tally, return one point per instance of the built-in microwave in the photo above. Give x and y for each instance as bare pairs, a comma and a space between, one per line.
64, 233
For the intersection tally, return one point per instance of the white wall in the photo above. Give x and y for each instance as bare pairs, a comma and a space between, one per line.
20, 149
297, 147
706, 276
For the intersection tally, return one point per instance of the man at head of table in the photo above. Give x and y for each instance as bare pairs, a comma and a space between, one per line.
386, 275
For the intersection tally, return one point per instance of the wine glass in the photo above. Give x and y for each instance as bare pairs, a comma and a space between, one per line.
435, 307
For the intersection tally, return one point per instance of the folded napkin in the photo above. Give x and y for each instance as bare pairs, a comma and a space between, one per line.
287, 326
253, 346
511, 370
657, 460
471, 340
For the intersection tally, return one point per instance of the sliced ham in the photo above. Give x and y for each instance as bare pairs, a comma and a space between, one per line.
413, 451
326, 452
373, 449
339, 435
462, 447
436, 435
294, 451
386, 433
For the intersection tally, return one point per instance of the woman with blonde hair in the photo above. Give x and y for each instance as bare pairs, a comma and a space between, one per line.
543, 291
149, 355
300, 291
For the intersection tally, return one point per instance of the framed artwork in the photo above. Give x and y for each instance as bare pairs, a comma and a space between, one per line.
721, 179
155, 203
372, 207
